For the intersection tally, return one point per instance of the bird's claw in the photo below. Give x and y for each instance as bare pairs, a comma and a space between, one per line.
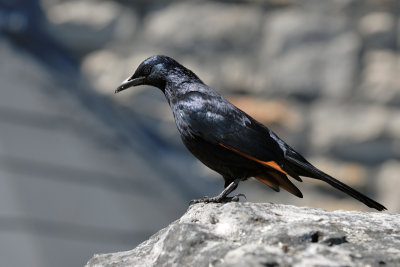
205, 199
236, 198
217, 199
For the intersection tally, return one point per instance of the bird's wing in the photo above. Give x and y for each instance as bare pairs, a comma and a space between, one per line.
217, 121
276, 180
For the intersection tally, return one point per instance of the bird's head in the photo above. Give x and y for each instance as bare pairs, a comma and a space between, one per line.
156, 71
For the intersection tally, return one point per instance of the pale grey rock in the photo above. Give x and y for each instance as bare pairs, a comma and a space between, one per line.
377, 22
309, 53
393, 126
356, 133
83, 26
378, 29
255, 234
334, 124
379, 80
211, 26
104, 77
388, 178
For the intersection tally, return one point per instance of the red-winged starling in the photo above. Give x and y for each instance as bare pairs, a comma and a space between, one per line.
225, 138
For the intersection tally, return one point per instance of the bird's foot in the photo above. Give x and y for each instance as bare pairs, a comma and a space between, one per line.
217, 199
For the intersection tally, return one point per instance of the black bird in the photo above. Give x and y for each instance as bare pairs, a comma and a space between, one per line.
225, 138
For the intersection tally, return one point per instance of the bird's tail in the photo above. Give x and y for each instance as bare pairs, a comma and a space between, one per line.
303, 168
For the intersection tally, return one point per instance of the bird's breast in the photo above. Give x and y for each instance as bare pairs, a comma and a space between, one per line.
182, 118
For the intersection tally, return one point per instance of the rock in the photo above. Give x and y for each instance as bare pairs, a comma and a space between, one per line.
379, 80
388, 177
370, 153
365, 133
104, 77
334, 124
393, 126
228, 27
255, 234
74, 27
378, 29
309, 53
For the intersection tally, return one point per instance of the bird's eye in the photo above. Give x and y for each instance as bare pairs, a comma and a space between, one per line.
146, 70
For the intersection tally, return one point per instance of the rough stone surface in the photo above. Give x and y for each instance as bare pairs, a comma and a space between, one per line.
358, 123
171, 27
80, 33
298, 65
254, 234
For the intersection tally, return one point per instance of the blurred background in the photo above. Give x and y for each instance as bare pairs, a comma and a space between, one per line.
84, 171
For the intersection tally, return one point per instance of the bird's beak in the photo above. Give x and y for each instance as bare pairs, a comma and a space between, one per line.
130, 82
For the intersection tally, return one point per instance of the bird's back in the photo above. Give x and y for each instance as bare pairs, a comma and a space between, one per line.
206, 121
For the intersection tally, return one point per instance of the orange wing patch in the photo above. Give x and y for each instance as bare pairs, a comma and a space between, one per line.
272, 183
275, 180
271, 164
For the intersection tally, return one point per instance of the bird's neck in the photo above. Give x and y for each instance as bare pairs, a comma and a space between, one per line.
179, 78
178, 82
175, 90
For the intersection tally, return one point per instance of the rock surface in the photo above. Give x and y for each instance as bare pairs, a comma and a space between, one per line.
265, 234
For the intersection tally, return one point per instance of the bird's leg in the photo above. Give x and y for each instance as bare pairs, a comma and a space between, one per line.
223, 196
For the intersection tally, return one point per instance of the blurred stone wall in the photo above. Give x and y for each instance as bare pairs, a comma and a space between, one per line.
75, 158
322, 74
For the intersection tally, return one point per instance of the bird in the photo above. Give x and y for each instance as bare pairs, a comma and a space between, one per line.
225, 138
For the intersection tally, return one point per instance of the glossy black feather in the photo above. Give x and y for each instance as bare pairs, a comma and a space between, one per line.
225, 138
